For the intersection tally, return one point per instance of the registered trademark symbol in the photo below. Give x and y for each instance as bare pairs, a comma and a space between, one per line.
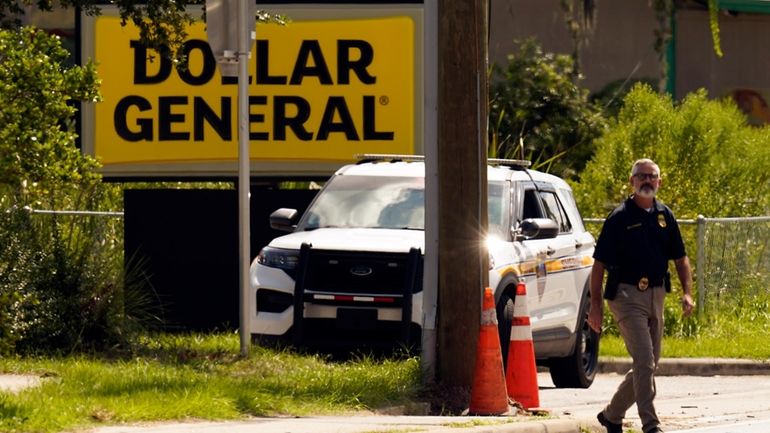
384, 100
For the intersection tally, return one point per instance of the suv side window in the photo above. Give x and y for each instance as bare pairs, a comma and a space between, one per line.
531, 205
555, 211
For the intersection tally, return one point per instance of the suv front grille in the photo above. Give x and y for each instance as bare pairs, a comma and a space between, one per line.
359, 273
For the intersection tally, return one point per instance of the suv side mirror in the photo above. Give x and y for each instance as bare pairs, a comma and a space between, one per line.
538, 228
284, 219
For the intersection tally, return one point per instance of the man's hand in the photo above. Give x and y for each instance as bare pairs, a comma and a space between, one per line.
685, 277
596, 312
687, 304
596, 317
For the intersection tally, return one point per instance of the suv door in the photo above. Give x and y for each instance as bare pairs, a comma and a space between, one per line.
555, 303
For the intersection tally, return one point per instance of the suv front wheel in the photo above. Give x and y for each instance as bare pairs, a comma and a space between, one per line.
578, 369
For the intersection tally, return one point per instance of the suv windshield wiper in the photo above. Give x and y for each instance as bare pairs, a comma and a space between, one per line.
311, 228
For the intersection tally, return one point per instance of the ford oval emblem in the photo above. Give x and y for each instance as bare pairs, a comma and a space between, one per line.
361, 271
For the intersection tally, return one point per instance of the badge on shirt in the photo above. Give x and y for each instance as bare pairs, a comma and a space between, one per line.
662, 220
643, 284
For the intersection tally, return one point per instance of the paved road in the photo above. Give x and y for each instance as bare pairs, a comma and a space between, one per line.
747, 427
683, 402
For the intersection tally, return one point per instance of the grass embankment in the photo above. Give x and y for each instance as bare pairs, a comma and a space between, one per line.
745, 347
738, 330
173, 377
197, 377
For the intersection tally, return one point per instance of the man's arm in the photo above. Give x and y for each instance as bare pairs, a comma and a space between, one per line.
685, 277
596, 313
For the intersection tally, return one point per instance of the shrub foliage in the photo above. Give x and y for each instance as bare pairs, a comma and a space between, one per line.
534, 102
60, 275
712, 161
60, 280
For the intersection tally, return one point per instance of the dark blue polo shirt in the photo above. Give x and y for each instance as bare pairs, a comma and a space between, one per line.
638, 243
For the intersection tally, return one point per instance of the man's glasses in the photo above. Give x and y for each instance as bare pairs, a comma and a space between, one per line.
646, 176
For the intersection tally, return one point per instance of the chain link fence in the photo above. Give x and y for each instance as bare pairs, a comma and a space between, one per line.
731, 260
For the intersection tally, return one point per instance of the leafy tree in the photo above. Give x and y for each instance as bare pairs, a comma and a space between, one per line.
713, 162
58, 275
610, 97
535, 104
162, 24
36, 109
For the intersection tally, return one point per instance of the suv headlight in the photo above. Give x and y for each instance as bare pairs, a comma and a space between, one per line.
278, 258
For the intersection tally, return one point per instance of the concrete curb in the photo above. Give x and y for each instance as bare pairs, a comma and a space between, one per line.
523, 426
372, 425
692, 366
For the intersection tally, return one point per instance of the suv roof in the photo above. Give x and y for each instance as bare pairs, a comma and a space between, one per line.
414, 166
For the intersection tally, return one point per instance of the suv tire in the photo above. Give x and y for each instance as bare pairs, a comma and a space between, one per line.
504, 323
578, 369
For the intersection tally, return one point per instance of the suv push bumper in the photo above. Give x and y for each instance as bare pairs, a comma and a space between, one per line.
394, 309
355, 316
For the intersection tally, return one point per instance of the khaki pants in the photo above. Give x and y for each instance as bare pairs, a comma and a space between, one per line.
639, 316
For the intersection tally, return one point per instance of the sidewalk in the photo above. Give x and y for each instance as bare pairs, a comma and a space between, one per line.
393, 421
364, 424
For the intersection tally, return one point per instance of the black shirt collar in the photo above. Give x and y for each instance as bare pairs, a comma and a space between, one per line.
656, 205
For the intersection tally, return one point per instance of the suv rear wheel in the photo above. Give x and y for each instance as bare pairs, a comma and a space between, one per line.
578, 370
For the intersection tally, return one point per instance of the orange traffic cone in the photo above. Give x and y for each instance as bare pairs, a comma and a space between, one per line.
488, 394
521, 375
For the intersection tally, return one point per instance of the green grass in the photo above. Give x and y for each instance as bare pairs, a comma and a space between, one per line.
740, 329
727, 333
744, 347
198, 377
189, 377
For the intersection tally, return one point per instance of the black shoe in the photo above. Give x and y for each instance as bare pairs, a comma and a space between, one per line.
611, 426
654, 430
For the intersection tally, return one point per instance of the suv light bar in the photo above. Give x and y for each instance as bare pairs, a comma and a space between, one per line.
513, 163
372, 157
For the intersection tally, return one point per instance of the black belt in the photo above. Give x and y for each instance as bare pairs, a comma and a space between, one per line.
643, 283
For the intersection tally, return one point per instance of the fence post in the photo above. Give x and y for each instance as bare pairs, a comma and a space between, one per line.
701, 264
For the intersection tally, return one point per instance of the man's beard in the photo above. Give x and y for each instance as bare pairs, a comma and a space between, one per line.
646, 191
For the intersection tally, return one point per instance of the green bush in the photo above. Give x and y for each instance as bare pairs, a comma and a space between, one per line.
61, 279
15, 297
61, 283
610, 97
712, 161
534, 101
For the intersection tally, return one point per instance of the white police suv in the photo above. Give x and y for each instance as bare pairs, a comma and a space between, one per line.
350, 271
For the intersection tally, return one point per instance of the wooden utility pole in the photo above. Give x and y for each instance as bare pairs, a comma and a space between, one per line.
462, 148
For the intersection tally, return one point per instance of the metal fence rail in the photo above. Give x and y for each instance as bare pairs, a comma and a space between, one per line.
76, 212
731, 254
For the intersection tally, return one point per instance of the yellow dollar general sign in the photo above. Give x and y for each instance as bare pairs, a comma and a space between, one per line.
320, 91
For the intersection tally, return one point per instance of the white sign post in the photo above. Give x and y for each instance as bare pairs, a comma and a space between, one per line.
232, 47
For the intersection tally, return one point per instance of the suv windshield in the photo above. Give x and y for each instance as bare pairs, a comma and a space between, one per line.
387, 202
369, 202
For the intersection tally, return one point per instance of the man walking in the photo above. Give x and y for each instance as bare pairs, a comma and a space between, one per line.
637, 240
